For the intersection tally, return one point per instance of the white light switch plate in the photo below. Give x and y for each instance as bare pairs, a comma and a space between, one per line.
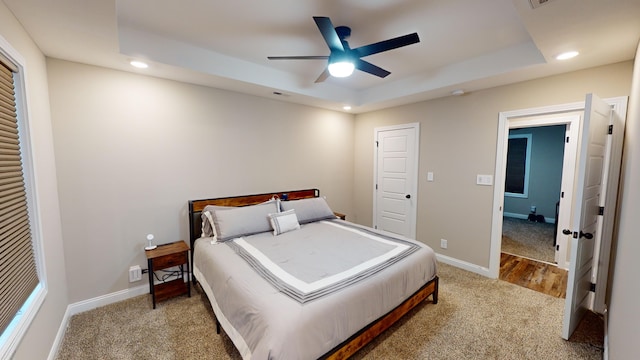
484, 180
430, 176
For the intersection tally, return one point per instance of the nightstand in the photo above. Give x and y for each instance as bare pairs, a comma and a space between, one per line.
163, 257
340, 215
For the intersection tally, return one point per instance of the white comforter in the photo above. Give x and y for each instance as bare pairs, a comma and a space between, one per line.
265, 323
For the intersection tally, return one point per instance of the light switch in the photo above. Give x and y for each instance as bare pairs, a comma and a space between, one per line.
484, 180
430, 176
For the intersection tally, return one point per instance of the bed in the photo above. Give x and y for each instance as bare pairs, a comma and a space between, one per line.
287, 279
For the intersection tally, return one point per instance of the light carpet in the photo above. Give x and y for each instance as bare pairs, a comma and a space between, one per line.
475, 318
528, 239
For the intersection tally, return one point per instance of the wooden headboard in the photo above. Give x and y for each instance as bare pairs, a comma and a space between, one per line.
196, 206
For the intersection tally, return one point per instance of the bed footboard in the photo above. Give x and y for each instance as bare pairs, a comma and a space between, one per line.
366, 335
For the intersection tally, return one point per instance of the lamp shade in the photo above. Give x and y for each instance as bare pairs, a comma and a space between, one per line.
340, 65
341, 69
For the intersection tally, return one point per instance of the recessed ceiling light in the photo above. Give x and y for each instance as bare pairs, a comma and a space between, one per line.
567, 55
458, 92
139, 64
347, 107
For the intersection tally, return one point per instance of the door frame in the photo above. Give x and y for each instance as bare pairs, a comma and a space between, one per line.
572, 122
416, 168
619, 106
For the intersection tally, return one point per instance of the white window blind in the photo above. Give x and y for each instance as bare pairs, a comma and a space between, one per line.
18, 272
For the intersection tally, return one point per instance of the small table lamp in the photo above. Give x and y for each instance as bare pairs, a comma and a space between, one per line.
150, 240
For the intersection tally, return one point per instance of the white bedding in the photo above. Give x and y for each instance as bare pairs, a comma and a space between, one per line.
265, 323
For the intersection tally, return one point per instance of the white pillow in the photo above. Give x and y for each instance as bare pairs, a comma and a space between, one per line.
284, 222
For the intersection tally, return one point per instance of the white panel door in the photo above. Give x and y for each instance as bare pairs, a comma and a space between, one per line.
593, 155
396, 183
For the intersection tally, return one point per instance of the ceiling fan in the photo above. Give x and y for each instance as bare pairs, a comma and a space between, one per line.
343, 60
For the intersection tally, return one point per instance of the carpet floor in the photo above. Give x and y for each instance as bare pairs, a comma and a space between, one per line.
528, 239
475, 318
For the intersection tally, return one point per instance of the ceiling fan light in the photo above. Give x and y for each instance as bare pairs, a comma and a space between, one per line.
341, 68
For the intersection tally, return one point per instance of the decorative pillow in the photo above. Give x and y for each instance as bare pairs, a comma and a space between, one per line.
284, 222
309, 210
242, 221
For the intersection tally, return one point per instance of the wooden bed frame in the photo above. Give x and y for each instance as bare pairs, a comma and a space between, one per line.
356, 341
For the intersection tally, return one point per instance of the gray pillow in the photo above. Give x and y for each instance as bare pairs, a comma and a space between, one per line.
247, 220
309, 210
206, 215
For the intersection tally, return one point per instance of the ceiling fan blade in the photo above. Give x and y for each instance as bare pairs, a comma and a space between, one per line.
322, 57
325, 74
385, 45
329, 33
370, 68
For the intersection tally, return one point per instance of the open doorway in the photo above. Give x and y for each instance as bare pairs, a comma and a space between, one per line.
591, 215
532, 191
538, 175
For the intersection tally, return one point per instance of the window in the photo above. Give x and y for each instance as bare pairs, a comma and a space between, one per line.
518, 161
22, 289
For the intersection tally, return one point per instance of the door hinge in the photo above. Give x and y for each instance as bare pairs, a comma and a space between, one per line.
567, 140
377, 143
562, 195
592, 287
610, 129
376, 186
601, 210
557, 247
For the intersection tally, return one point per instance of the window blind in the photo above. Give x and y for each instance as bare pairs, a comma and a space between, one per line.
18, 272
516, 166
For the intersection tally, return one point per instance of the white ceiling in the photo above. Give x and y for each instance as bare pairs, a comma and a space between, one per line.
465, 44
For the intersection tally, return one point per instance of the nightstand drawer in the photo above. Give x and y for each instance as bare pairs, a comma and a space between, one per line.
170, 260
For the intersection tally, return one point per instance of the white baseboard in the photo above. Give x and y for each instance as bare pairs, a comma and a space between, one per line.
515, 215
606, 334
89, 304
548, 220
59, 336
96, 302
464, 265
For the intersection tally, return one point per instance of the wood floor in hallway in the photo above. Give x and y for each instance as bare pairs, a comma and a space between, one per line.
535, 275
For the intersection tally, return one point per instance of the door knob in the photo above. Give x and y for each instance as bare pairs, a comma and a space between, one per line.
566, 232
586, 235
408, 196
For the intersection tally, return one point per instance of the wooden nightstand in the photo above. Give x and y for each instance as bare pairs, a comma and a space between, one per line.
340, 215
163, 257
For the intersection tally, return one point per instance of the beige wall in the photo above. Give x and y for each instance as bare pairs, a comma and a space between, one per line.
41, 334
131, 150
458, 141
624, 317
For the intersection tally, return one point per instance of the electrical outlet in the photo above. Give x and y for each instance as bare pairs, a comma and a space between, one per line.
443, 243
135, 273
